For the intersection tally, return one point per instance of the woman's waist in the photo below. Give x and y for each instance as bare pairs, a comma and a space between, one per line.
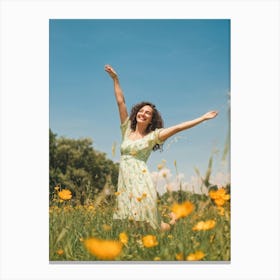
132, 157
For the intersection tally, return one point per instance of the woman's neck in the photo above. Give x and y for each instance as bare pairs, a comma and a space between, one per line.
140, 130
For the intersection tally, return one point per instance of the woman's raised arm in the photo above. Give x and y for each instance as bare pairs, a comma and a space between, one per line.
168, 132
118, 93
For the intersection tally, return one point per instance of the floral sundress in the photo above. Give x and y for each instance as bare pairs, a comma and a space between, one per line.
136, 194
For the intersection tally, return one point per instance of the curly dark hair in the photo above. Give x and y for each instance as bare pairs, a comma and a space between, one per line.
157, 121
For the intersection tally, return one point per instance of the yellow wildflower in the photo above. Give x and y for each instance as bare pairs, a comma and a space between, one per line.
182, 210
179, 256
219, 196
90, 207
199, 226
221, 210
65, 194
57, 187
220, 193
219, 201
156, 258
150, 241
117, 193
123, 238
103, 249
106, 227
60, 252
209, 224
198, 255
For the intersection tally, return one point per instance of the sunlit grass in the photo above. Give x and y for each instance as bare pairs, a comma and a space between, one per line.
199, 229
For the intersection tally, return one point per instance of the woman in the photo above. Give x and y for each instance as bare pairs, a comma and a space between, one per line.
142, 132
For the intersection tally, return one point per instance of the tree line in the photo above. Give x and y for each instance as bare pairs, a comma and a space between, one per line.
75, 165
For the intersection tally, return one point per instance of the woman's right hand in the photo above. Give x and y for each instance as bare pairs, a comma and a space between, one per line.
109, 69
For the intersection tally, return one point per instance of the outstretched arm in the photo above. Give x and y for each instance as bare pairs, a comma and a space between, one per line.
168, 132
118, 93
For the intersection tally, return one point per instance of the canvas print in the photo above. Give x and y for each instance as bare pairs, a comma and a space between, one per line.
139, 140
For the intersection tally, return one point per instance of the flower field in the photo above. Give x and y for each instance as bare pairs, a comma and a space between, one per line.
196, 228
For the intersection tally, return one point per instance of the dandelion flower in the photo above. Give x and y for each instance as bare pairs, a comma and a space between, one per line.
198, 255
156, 258
65, 194
209, 224
182, 210
103, 249
150, 241
123, 238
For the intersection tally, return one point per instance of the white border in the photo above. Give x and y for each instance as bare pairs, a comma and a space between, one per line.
254, 143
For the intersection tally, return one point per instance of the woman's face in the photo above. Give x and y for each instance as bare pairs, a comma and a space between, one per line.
145, 115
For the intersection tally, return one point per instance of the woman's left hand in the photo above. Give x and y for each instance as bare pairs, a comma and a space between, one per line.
210, 115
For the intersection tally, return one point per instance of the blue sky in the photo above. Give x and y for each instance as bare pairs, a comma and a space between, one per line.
183, 66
